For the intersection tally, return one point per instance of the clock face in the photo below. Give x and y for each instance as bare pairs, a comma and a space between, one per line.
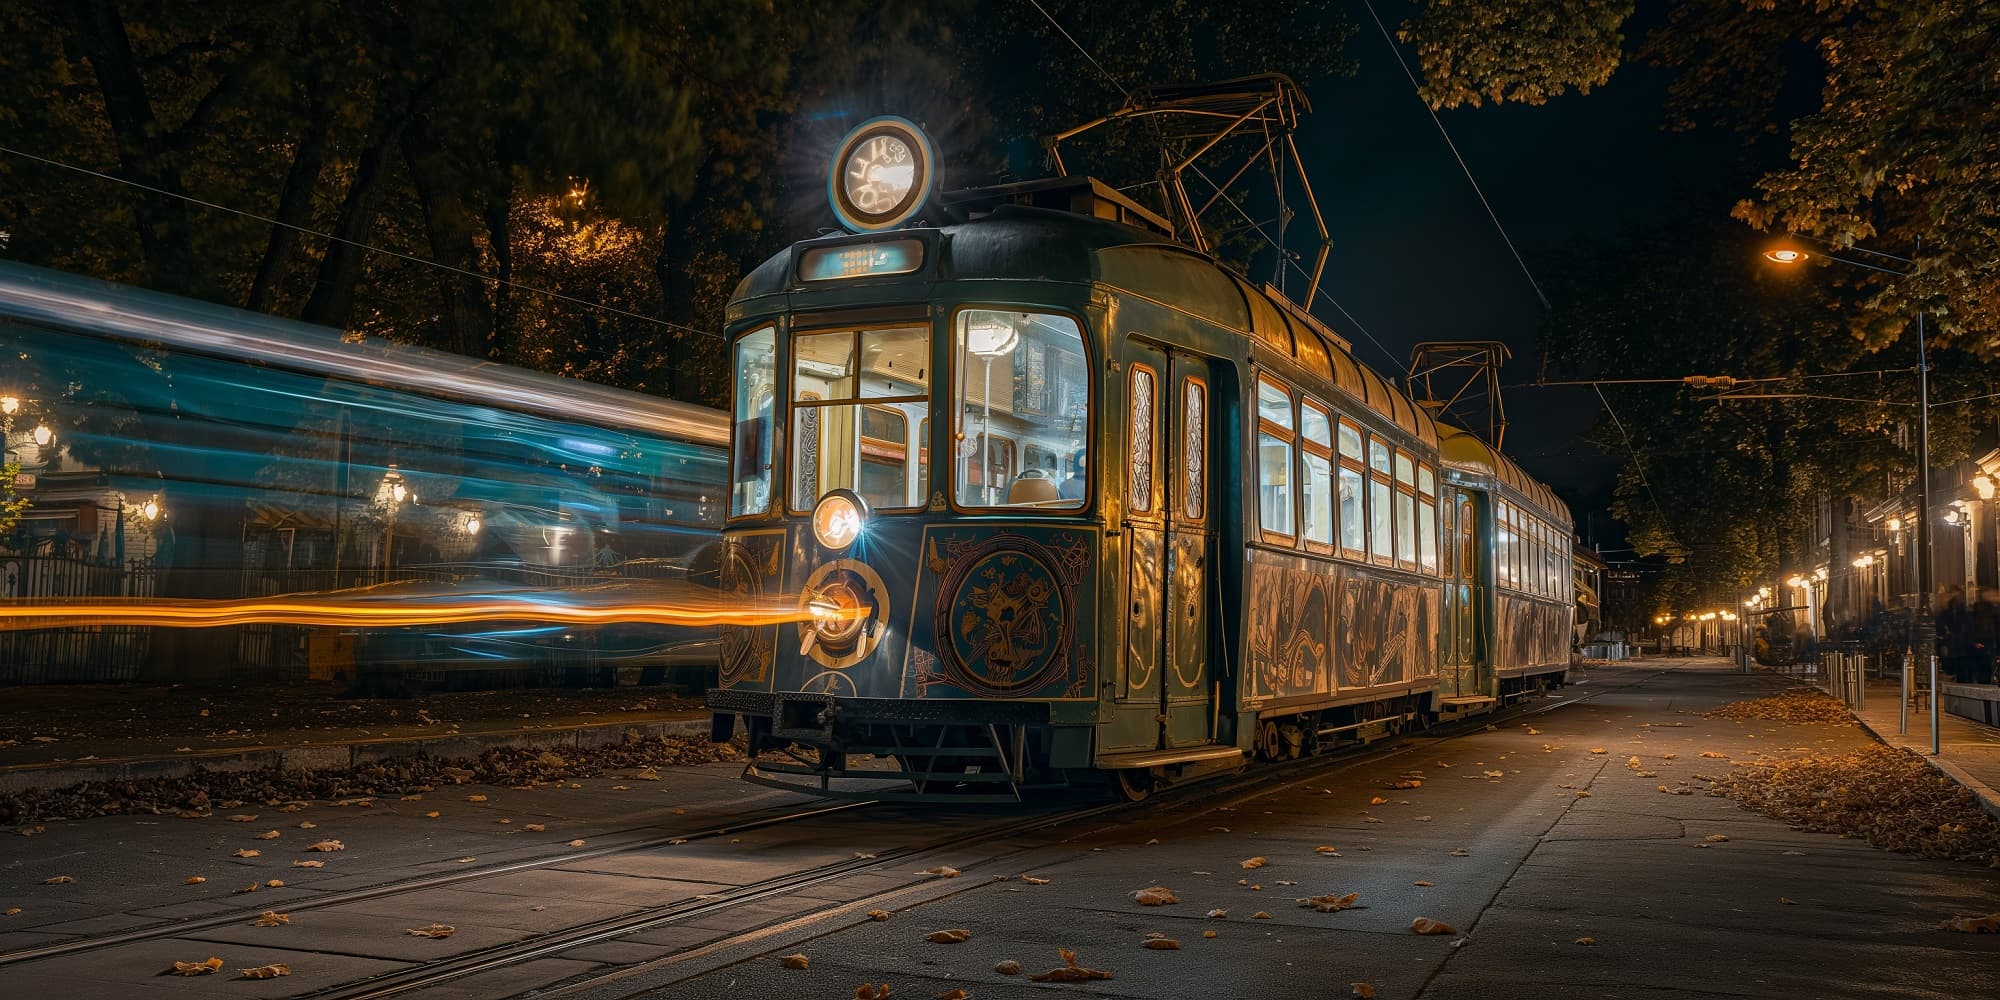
881, 175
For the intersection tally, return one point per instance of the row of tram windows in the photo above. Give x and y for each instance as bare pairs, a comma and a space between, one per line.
1326, 484
860, 407
1531, 553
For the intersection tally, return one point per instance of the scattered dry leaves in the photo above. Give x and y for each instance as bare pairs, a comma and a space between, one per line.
308, 864
327, 846
534, 827
433, 931
1330, 903
879, 914
576, 843
1158, 895
1425, 925
1989, 924
1251, 863
799, 962
871, 991
208, 968
270, 918
272, 971
1798, 705
267, 835
954, 935
251, 852
1069, 971
1361, 991
239, 818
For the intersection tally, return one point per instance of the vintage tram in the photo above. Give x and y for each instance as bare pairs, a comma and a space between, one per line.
1060, 497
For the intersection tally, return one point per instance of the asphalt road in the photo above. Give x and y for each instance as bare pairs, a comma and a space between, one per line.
1528, 839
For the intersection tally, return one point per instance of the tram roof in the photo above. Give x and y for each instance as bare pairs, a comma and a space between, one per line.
1462, 450
1024, 243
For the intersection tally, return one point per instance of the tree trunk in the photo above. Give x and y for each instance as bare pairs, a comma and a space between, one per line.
294, 202
162, 218
332, 301
467, 313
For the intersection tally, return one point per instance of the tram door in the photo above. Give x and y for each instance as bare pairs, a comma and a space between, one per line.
1164, 700
1460, 641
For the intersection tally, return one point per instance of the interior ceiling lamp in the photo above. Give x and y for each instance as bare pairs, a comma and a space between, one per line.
881, 174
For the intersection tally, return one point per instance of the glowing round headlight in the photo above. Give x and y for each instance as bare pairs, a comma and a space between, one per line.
881, 174
837, 521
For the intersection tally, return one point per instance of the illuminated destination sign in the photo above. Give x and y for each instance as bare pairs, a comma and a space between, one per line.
861, 260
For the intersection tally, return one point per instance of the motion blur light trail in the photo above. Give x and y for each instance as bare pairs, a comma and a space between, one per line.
393, 605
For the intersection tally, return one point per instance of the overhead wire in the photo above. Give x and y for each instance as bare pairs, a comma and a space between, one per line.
412, 258
1639, 466
1460, 157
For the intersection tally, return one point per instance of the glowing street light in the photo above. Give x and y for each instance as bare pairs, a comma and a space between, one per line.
43, 435
10, 405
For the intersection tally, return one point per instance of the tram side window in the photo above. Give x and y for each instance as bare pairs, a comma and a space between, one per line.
1503, 544
841, 442
756, 365
1381, 523
1316, 458
1406, 510
1353, 507
1144, 383
1021, 377
1274, 459
1427, 528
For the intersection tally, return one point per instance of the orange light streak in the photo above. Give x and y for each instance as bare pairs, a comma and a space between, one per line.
397, 605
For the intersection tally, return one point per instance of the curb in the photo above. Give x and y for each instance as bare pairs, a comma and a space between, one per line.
1988, 797
28, 777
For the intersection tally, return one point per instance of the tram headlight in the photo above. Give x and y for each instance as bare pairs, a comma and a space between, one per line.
838, 519
881, 174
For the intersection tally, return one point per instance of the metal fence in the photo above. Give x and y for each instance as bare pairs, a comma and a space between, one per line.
78, 654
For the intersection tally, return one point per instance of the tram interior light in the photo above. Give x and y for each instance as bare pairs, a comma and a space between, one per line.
1796, 581
1983, 485
991, 338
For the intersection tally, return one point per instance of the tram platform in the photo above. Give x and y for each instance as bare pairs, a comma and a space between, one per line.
53, 736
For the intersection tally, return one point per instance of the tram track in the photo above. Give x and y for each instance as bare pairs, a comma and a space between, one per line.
1205, 797
727, 826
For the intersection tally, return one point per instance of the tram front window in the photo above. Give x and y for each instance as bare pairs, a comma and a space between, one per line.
857, 396
750, 480
1021, 379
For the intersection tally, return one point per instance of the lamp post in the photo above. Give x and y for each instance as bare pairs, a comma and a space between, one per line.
1925, 637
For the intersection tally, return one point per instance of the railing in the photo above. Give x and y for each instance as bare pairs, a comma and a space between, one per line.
76, 654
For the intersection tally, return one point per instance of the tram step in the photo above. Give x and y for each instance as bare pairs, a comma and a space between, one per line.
1163, 758
1462, 702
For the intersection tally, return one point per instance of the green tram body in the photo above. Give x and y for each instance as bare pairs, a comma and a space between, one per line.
1188, 607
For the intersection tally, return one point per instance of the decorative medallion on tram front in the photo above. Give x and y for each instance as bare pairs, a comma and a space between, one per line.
1006, 613
749, 570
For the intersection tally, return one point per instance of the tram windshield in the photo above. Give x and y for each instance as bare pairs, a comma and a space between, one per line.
1023, 415
860, 409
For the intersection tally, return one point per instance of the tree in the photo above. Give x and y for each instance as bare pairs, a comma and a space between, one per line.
1901, 145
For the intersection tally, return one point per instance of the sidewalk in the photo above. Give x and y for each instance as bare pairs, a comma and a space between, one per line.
1967, 751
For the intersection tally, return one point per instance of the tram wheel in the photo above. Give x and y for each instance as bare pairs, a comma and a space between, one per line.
1134, 783
1270, 745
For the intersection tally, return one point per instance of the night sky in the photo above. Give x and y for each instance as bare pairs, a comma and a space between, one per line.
1415, 257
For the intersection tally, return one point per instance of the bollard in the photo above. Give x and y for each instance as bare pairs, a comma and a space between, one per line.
1860, 684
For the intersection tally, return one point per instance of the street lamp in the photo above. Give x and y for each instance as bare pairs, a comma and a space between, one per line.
1787, 253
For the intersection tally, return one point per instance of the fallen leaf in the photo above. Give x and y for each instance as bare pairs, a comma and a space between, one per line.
955, 935
1218, 914
1409, 783
252, 887
1151, 842
308, 825
308, 864
1788, 902
1715, 756
1158, 895
1008, 967
239, 818
1586, 940
879, 914
799, 962
534, 827
576, 843
1032, 880
1532, 731
467, 861
1372, 819
1330, 903
1582, 794
433, 814
1460, 852
1496, 774
869, 991
1989, 924
1326, 849
1425, 925
954, 995
1361, 991
275, 884
647, 775
1163, 944
1670, 756
1251, 863
270, 918
1424, 884
1208, 934
433, 931
10, 911
941, 871
475, 798
268, 835
1597, 750
210, 967
1260, 915
1794, 854
1224, 829
327, 846
1717, 838
65, 879
272, 971
1377, 800
1069, 971
195, 880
